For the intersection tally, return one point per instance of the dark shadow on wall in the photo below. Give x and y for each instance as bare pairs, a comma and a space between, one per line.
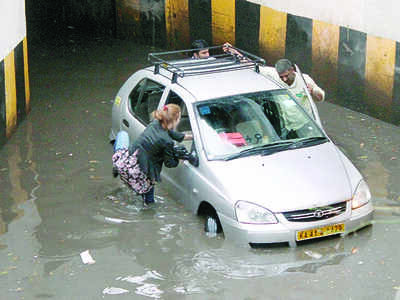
395, 115
299, 42
351, 70
142, 21
20, 81
247, 26
200, 20
2, 105
152, 19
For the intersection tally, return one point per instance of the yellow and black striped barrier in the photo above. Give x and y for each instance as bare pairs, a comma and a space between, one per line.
15, 95
357, 70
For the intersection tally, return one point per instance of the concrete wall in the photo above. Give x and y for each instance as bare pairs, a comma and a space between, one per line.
358, 70
14, 79
379, 18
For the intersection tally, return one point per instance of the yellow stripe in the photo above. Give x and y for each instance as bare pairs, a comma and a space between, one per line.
272, 35
177, 23
223, 21
379, 70
26, 77
11, 94
325, 53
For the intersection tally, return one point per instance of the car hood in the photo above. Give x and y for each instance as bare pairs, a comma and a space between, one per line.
288, 180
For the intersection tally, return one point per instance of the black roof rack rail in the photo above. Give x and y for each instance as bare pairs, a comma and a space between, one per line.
180, 63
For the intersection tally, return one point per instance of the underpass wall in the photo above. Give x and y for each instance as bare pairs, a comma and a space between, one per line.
354, 60
14, 78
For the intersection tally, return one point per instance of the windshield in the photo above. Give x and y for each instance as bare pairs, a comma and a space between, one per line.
242, 123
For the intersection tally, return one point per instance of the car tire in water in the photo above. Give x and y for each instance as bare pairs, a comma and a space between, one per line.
212, 226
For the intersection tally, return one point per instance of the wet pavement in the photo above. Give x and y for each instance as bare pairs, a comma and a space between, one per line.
59, 199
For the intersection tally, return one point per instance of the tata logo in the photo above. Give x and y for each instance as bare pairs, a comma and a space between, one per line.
318, 213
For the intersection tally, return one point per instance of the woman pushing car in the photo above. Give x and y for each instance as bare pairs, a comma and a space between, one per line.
139, 164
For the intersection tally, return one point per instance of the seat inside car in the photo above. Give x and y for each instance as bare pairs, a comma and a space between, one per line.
153, 100
184, 124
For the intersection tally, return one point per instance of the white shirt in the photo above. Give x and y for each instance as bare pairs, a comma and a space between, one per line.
297, 88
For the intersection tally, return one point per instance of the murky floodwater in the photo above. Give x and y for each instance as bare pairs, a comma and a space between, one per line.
59, 199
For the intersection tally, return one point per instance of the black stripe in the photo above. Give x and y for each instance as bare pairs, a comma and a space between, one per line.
396, 89
247, 27
351, 69
200, 20
152, 22
2, 105
20, 80
299, 42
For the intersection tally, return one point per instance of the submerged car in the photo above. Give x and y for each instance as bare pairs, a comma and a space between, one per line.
267, 172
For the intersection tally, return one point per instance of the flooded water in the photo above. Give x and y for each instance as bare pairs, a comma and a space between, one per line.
58, 199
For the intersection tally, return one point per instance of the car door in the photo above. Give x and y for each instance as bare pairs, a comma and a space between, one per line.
181, 177
312, 104
142, 101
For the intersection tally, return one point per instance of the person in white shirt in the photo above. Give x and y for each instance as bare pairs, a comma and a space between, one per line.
285, 73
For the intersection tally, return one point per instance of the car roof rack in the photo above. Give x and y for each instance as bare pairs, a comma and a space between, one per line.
180, 63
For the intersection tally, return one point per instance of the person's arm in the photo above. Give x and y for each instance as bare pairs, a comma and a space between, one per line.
176, 135
315, 91
170, 157
228, 48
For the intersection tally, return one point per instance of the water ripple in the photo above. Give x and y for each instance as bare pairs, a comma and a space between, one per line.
147, 289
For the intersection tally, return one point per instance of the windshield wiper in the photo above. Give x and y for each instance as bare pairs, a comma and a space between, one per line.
310, 141
279, 146
263, 150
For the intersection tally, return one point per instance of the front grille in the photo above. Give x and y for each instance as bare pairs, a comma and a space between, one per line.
316, 214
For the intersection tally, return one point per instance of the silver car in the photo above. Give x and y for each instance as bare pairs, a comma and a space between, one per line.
267, 172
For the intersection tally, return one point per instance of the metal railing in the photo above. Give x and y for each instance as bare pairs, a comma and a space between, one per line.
181, 63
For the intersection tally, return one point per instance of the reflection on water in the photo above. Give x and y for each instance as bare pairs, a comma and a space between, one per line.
145, 288
22, 177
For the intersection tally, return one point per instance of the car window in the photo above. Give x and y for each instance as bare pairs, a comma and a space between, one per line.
144, 99
135, 95
184, 124
231, 124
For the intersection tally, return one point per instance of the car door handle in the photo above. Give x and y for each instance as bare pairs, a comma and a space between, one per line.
126, 123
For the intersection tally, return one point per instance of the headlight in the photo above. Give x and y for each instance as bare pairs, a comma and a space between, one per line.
250, 213
361, 196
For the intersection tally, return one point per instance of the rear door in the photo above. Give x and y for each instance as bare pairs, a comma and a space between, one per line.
143, 99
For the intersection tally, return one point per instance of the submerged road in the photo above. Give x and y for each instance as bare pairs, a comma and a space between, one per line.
59, 199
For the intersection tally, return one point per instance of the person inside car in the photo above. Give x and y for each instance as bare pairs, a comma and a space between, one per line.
139, 164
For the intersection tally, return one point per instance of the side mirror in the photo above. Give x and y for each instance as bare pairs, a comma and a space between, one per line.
194, 159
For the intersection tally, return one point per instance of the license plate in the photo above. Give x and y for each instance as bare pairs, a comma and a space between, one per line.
319, 232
